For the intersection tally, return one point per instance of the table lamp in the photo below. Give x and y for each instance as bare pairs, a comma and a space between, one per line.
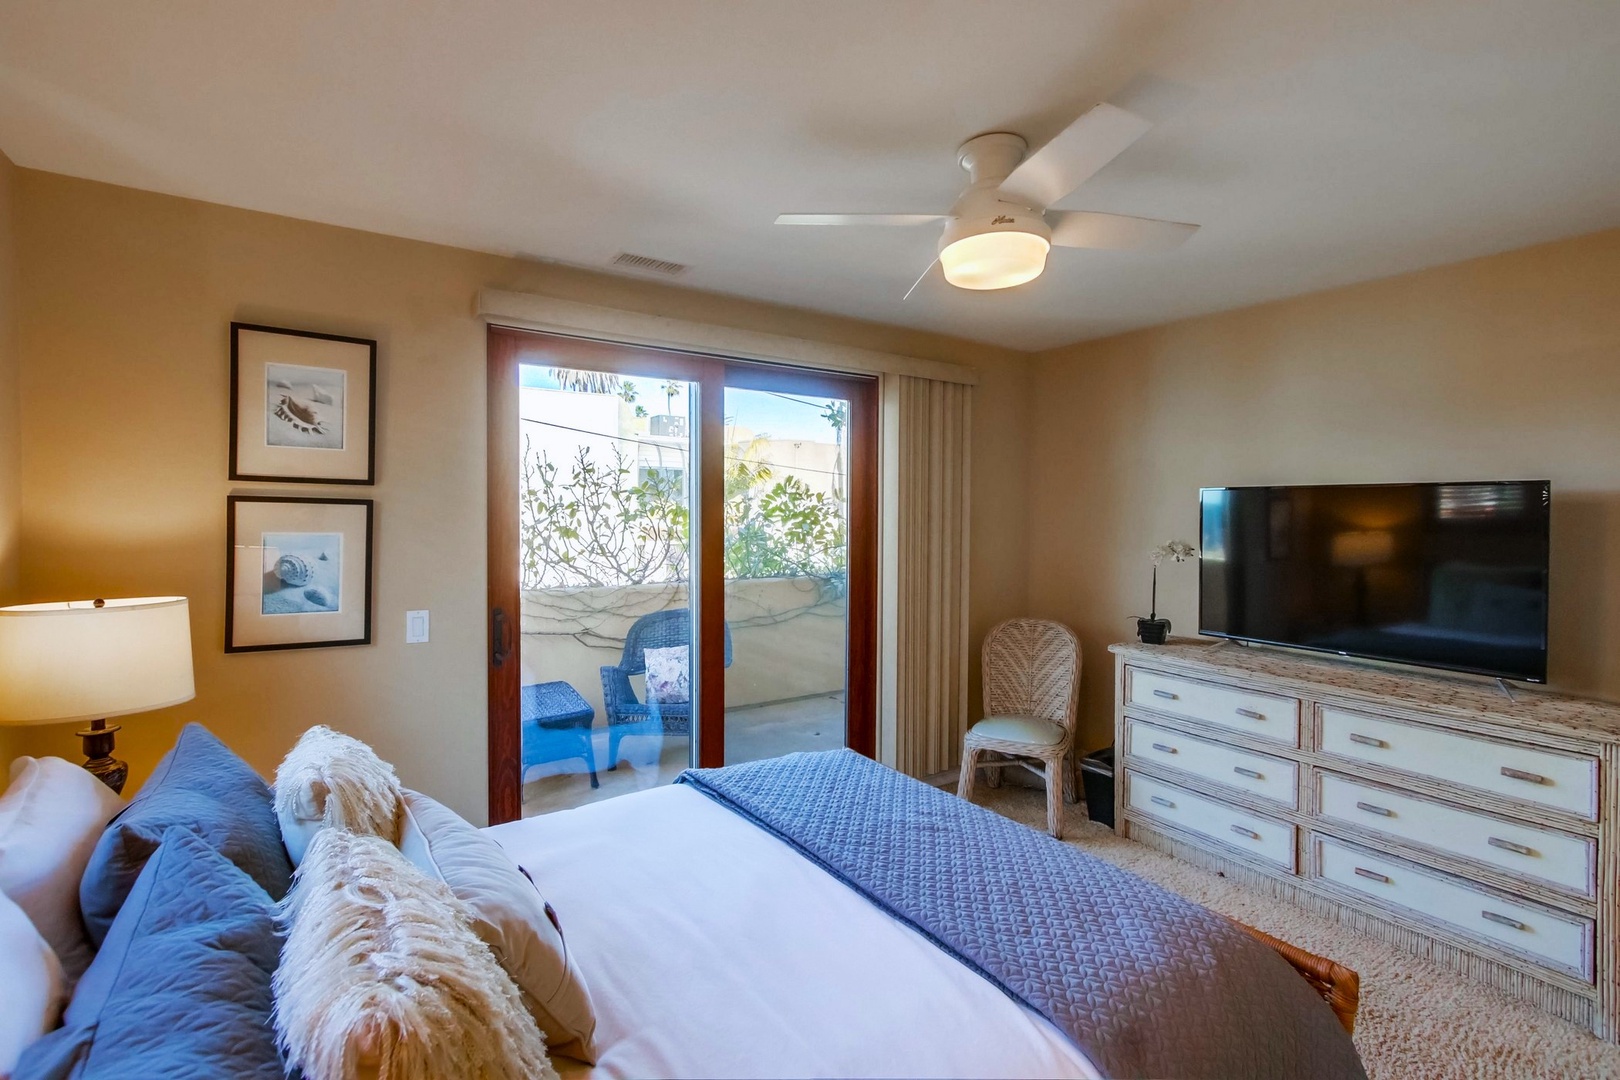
94, 659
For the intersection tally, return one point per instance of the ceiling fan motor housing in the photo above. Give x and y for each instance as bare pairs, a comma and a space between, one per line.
981, 211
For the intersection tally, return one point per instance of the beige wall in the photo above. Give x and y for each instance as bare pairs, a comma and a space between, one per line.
1507, 366
123, 331
10, 445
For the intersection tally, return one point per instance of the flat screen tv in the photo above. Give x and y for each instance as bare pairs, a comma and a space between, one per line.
1449, 576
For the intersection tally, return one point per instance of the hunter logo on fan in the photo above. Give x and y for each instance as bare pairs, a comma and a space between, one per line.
1001, 219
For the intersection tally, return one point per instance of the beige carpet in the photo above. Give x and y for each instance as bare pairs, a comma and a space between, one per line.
1417, 1019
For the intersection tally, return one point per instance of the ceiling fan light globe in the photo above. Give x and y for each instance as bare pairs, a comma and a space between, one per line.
994, 260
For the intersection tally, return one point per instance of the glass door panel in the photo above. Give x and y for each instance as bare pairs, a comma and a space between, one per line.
607, 642
786, 572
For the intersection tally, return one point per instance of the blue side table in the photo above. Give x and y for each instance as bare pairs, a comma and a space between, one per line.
557, 726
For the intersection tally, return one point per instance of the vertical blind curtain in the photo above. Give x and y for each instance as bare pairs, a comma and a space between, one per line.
929, 448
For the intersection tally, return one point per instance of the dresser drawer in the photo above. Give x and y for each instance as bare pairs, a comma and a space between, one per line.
1565, 782
1559, 940
1260, 775
1266, 716
1542, 854
1255, 836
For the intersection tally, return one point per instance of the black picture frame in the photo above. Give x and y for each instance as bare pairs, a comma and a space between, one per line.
237, 471
232, 505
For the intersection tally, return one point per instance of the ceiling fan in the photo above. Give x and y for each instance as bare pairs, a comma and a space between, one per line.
998, 233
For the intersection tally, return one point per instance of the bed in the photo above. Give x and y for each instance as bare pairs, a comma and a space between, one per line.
719, 941
810, 915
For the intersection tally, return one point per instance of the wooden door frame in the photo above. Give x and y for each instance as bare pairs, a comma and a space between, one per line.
507, 349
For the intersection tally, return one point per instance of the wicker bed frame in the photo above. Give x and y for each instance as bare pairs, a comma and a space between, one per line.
1339, 986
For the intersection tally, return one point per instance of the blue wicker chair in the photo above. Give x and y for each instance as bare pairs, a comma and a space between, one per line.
628, 715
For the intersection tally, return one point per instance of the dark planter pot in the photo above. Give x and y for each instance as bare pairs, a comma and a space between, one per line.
1153, 631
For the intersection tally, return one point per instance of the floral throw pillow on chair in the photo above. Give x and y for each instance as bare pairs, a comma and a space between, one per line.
669, 676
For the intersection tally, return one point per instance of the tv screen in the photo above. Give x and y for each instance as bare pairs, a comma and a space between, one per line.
1450, 576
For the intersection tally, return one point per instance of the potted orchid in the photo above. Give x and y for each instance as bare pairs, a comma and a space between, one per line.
1153, 630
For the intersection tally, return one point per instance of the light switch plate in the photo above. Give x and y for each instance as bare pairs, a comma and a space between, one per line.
416, 627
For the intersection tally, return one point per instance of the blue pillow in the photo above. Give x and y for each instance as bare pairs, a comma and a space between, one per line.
199, 785
181, 987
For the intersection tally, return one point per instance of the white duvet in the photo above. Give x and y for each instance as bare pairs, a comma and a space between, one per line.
712, 949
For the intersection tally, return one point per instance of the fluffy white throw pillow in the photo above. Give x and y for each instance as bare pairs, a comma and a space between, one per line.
511, 917
381, 975
331, 779
32, 987
669, 675
50, 819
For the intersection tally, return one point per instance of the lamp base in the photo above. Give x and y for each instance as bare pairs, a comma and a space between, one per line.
98, 748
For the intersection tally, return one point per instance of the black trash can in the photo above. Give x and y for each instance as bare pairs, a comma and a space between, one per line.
1097, 774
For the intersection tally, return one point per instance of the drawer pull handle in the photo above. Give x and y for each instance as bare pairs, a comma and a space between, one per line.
1251, 714
1372, 875
1367, 740
1371, 809
1160, 800
1491, 916
1241, 831
1508, 845
1167, 695
1250, 773
1165, 748
1520, 774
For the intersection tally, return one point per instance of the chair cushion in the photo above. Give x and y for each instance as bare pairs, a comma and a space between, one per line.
51, 818
199, 785
181, 986
1023, 729
669, 680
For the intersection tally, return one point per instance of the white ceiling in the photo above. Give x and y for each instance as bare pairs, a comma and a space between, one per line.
1317, 142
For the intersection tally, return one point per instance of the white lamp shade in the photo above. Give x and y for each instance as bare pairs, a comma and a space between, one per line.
77, 661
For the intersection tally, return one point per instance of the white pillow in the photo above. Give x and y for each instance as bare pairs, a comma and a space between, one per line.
50, 819
669, 675
509, 915
382, 974
32, 986
329, 778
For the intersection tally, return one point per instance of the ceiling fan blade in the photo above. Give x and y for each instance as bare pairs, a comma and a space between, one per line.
857, 219
1115, 232
1074, 156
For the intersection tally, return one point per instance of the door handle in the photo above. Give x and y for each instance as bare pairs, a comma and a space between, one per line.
498, 650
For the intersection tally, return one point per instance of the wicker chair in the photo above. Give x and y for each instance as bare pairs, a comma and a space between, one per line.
1031, 682
627, 714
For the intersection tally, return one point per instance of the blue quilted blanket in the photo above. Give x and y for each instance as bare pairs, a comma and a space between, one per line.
1145, 982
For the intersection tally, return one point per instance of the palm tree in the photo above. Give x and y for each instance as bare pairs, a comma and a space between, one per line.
585, 382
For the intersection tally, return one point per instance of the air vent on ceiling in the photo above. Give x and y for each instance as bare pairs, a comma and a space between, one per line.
648, 265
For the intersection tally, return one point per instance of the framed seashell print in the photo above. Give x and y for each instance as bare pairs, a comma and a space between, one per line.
303, 406
297, 572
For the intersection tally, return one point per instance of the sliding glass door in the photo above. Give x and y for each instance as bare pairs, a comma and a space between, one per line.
789, 515
681, 566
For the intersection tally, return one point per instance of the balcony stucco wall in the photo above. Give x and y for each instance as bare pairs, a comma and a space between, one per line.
788, 636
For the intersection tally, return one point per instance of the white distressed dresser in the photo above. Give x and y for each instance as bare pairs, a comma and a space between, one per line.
1426, 810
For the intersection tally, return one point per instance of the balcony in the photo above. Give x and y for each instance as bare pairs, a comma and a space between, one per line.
784, 689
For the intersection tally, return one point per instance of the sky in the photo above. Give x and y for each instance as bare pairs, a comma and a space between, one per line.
781, 416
